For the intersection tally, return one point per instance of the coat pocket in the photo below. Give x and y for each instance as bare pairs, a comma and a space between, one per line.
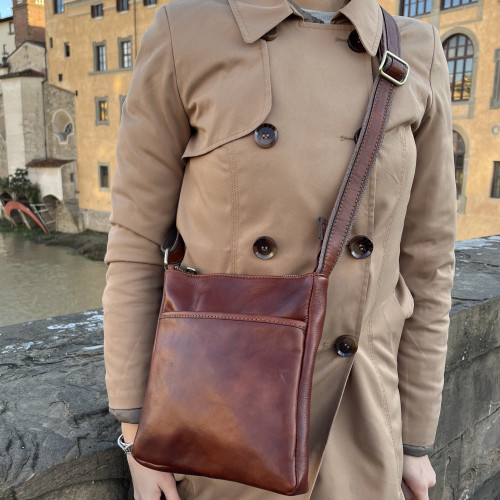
227, 384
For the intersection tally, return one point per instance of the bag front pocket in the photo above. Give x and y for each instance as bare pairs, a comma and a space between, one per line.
223, 393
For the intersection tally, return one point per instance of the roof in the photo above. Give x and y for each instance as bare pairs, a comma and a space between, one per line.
49, 162
26, 72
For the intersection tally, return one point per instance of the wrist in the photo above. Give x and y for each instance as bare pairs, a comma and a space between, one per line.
417, 451
129, 431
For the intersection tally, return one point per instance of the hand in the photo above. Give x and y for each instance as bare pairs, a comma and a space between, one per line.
418, 477
149, 484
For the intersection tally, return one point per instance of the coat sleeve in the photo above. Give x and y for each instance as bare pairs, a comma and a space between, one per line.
427, 264
154, 131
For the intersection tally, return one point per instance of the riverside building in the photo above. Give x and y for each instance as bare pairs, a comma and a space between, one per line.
91, 47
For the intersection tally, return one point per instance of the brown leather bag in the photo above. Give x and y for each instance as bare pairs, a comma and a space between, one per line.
230, 382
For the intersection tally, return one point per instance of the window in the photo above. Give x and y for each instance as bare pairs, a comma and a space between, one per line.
11, 27
51, 42
58, 6
100, 56
103, 177
96, 10
495, 98
460, 56
67, 51
121, 5
459, 155
412, 8
125, 51
495, 185
449, 4
101, 111
149, 2
60, 77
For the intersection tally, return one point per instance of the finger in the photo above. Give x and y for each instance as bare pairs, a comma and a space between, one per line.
169, 488
407, 492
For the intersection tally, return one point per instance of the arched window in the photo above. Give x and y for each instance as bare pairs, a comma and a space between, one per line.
460, 56
412, 8
459, 154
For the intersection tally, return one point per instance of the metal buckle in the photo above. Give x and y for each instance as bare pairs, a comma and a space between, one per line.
389, 77
165, 257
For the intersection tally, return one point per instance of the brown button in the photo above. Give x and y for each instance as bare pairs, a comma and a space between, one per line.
356, 135
266, 135
361, 247
354, 42
264, 247
271, 35
346, 346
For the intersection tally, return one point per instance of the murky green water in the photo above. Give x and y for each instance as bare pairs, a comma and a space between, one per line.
39, 281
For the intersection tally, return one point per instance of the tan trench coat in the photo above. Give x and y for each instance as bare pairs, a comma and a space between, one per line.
203, 81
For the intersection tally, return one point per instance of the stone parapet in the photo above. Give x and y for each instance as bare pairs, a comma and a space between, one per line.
57, 440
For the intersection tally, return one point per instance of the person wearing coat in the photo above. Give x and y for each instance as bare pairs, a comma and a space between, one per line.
238, 128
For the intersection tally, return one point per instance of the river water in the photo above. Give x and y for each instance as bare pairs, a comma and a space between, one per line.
39, 281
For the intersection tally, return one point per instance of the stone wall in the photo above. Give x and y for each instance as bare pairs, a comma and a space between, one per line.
95, 220
59, 114
4, 168
57, 440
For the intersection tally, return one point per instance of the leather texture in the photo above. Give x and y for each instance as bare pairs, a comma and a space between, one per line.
229, 391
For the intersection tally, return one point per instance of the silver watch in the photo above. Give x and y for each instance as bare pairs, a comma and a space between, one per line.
126, 447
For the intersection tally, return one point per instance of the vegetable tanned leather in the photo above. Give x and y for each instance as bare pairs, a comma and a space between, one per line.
231, 374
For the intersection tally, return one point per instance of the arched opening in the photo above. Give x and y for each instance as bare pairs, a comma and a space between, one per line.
459, 52
62, 125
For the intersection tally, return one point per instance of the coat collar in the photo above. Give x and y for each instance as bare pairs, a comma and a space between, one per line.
256, 17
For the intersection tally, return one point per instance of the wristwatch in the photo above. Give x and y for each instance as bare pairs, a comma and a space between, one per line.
126, 447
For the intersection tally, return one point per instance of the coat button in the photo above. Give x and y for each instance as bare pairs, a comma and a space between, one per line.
271, 35
361, 247
266, 135
354, 42
264, 247
346, 346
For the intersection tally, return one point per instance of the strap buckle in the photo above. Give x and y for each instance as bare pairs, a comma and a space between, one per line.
389, 77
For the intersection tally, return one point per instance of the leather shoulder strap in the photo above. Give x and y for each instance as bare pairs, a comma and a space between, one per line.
393, 71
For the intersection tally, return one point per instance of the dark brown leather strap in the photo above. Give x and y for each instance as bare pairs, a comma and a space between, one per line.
393, 71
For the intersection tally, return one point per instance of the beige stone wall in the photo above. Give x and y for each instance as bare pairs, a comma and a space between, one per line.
27, 56
59, 115
96, 143
478, 213
4, 169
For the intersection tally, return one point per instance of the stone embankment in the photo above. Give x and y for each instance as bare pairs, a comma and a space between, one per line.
57, 440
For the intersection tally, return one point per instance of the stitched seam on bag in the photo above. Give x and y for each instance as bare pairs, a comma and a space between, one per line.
247, 276
237, 318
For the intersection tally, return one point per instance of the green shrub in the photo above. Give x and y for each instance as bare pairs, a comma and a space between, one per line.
20, 187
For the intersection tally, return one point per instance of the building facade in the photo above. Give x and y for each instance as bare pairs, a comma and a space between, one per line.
7, 36
37, 122
470, 35
91, 46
